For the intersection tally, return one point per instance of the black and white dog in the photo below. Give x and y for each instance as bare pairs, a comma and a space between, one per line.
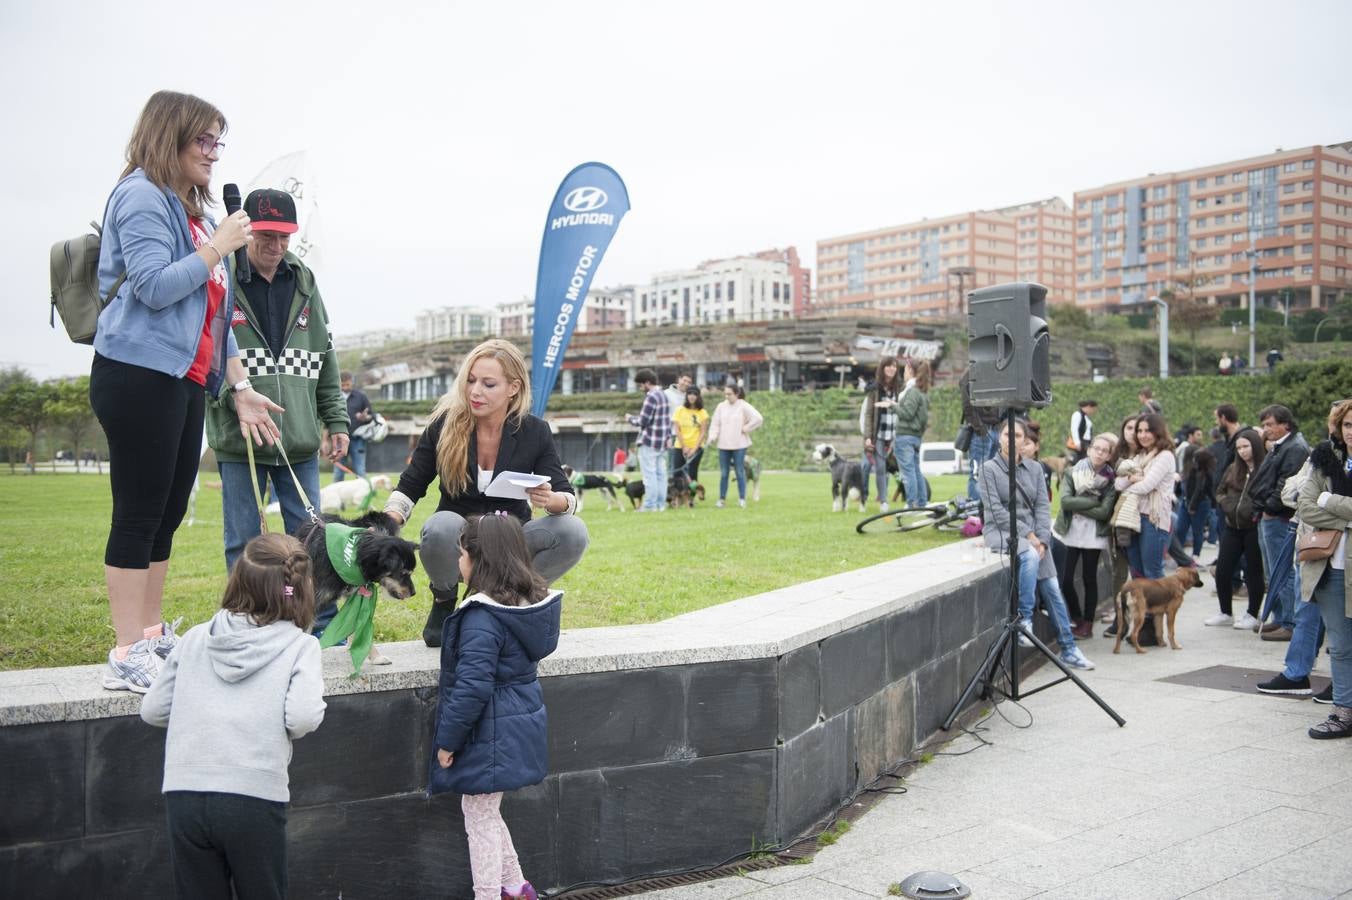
847, 478
382, 556
581, 481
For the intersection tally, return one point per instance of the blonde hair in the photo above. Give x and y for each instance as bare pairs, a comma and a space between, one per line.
168, 123
457, 420
272, 582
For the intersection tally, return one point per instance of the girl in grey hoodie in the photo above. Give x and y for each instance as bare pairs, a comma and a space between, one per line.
234, 693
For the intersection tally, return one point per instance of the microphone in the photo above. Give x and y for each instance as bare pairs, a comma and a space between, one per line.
230, 194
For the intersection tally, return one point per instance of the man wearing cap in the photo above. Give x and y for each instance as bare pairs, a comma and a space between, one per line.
283, 333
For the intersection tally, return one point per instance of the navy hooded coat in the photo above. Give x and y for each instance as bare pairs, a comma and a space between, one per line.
490, 708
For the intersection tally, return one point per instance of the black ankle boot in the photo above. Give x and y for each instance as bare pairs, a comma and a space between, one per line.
443, 604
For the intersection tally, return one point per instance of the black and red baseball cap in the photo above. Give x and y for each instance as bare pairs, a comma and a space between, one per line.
270, 210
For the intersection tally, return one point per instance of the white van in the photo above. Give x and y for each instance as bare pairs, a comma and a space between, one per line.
941, 458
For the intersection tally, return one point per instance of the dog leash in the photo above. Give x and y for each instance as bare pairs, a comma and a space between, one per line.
258, 494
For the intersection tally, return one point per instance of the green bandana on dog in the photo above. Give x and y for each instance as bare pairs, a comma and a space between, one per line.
356, 619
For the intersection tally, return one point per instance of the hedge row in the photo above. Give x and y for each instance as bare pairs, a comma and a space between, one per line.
1306, 388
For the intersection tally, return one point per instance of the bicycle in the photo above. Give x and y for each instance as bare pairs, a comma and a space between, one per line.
948, 516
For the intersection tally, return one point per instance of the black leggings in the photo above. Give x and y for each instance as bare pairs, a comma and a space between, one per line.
154, 426
1235, 541
1089, 562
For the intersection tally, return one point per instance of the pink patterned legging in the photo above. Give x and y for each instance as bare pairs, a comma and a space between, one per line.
492, 858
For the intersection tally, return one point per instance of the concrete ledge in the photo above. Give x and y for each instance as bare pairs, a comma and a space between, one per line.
763, 625
718, 730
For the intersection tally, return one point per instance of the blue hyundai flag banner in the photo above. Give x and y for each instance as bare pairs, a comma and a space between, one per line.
582, 219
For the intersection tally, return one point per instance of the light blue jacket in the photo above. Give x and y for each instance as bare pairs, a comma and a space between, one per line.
156, 318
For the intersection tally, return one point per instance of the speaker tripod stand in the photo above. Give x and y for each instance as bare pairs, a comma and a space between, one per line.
1004, 652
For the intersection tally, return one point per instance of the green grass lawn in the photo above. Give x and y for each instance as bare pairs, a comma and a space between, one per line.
640, 567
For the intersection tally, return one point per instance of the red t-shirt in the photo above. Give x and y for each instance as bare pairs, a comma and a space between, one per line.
201, 364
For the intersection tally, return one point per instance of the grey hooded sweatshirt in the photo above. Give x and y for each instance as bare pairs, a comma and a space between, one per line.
234, 695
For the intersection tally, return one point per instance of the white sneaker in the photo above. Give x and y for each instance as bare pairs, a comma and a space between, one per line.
883, 507
1075, 658
742, 504
1245, 622
1220, 619
719, 505
1023, 640
166, 642
135, 673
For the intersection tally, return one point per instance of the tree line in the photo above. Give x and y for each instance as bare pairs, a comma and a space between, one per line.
41, 418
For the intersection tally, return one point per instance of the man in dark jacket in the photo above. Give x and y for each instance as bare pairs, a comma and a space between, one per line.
358, 413
1276, 531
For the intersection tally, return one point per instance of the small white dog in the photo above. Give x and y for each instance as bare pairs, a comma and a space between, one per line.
340, 495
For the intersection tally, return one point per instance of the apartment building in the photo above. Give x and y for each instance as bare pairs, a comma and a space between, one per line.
739, 289
606, 309
373, 339
924, 268
800, 276
1287, 214
448, 322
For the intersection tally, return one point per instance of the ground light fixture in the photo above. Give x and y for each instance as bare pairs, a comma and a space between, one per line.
934, 886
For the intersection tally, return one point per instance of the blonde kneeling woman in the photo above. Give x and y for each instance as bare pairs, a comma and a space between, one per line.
479, 428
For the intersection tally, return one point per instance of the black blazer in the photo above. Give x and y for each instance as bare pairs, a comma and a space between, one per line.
527, 446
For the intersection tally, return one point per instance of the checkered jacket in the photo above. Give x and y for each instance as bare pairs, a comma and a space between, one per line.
654, 421
304, 380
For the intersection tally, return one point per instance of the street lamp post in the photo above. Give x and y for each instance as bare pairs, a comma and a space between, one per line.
1253, 301
962, 272
1164, 335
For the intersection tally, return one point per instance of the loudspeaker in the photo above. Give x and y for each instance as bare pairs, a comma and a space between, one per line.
1009, 346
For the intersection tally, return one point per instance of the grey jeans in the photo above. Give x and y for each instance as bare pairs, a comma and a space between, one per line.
556, 544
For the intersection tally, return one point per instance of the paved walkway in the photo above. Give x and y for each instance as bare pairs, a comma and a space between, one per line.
1205, 793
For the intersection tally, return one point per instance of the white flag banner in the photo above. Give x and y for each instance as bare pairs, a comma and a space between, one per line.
292, 173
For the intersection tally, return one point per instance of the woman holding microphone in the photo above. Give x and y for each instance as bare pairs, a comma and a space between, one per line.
163, 343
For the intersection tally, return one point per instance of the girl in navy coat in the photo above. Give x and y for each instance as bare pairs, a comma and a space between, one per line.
491, 733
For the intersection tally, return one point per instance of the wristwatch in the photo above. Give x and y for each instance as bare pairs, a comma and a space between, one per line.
244, 385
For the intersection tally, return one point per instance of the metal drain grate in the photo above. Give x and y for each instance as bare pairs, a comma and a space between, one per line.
1232, 678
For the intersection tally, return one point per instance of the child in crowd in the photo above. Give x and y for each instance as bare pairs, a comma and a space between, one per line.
491, 732
235, 693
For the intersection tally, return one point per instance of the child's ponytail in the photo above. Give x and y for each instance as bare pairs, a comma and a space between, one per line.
272, 582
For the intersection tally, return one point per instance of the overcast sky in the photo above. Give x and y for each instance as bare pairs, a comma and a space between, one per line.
439, 132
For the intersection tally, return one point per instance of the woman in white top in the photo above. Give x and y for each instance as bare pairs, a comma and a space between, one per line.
1153, 483
730, 431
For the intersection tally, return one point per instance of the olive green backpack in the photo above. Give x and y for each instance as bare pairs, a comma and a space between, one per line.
75, 285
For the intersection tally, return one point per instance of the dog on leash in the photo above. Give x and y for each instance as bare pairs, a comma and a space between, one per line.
678, 484
383, 557
679, 492
847, 478
1158, 597
581, 481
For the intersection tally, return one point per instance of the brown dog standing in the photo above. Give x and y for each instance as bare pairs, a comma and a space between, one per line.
1141, 597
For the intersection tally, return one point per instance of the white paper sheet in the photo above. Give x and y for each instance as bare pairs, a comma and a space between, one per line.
513, 485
